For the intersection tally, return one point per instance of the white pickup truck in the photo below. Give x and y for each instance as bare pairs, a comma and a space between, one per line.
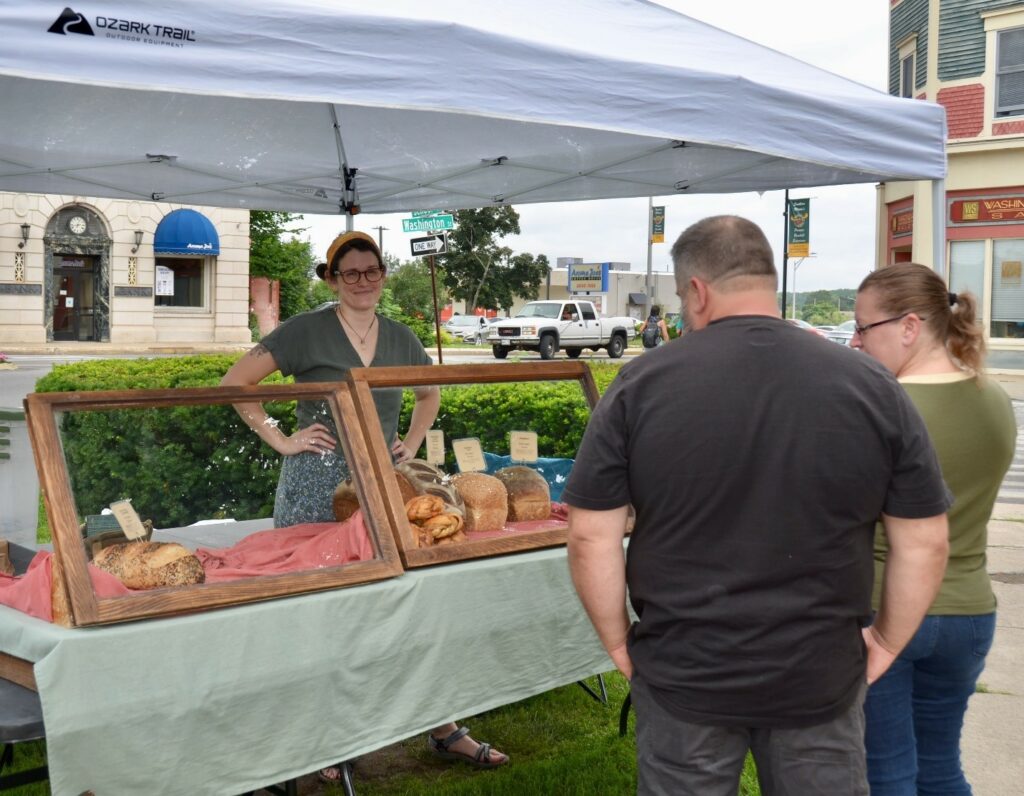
546, 326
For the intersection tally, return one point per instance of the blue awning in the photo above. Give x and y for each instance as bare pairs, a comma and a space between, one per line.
186, 232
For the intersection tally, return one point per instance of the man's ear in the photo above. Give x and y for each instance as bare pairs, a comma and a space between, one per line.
697, 295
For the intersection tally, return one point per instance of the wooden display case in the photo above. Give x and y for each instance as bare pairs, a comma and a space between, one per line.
572, 376
92, 448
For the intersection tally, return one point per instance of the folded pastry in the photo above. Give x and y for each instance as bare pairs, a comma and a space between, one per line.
423, 508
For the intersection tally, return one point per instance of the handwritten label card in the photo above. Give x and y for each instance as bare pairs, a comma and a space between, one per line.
469, 455
435, 446
522, 446
128, 519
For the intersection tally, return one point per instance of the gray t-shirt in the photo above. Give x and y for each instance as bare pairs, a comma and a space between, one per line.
758, 458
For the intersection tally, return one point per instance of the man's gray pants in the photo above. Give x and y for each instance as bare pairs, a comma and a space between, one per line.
679, 758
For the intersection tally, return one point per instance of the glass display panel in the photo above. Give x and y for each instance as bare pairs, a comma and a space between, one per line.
163, 501
489, 477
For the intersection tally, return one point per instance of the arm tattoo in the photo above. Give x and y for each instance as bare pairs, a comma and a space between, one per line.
259, 350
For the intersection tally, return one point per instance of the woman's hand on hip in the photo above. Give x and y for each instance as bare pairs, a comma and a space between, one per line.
311, 439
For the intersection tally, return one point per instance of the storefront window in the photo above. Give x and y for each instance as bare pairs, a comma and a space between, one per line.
1007, 288
967, 270
179, 282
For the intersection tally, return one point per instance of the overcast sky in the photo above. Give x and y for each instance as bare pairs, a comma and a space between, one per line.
849, 39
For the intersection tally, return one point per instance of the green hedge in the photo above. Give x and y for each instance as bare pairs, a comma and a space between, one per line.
177, 465
183, 464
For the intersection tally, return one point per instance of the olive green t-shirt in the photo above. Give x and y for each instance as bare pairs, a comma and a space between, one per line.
974, 432
313, 347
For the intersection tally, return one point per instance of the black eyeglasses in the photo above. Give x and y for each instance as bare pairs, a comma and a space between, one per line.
861, 329
370, 274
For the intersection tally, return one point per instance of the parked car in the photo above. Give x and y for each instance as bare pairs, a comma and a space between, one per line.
478, 334
458, 325
825, 328
843, 333
805, 325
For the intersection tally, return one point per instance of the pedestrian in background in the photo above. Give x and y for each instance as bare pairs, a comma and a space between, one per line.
750, 561
931, 341
654, 332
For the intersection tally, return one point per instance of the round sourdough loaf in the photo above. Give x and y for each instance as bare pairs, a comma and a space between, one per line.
486, 501
529, 497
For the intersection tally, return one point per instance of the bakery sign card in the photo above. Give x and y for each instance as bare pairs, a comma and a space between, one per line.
435, 446
469, 455
128, 518
522, 446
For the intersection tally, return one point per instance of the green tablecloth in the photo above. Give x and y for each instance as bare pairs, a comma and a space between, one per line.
234, 699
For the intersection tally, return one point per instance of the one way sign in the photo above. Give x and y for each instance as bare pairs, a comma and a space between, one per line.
434, 244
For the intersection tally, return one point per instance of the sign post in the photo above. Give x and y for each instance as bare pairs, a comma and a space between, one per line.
437, 320
432, 245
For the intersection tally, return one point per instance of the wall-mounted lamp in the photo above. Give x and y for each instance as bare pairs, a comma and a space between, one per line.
25, 229
138, 240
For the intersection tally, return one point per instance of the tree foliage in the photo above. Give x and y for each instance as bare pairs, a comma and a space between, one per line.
290, 262
483, 273
409, 283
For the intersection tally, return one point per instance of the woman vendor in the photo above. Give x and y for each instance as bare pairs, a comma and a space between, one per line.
322, 345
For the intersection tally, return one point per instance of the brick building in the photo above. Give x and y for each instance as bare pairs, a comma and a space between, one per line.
969, 57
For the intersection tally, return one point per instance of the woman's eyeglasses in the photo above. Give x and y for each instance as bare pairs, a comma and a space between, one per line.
370, 275
861, 329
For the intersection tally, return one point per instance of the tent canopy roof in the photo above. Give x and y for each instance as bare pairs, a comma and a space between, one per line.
316, 107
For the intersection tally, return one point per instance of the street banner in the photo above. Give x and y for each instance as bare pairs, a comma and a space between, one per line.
658, 224
799, 238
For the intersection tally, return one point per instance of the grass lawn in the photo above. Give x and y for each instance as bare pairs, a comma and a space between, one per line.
561, 742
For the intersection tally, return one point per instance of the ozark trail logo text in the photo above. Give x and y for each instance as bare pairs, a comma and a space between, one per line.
127, 29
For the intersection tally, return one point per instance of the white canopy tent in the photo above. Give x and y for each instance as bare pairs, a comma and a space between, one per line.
332, 106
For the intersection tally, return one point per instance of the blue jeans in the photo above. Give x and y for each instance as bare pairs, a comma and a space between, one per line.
915, 712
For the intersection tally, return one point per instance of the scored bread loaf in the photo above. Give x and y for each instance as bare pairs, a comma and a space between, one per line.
150, 565
529, 496
485, 499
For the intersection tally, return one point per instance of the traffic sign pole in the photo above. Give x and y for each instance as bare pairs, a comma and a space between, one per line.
437, 315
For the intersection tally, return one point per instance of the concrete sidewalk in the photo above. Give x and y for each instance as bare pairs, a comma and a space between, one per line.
995, 716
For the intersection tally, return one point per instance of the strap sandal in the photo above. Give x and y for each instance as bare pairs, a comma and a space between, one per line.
481, 759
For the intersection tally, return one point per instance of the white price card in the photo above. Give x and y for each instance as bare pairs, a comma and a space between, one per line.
469, 455
522, 446
128, 519
435, 446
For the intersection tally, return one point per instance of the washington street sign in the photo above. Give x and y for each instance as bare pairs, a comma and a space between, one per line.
428, 223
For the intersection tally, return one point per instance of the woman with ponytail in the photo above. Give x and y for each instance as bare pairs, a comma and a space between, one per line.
931, 341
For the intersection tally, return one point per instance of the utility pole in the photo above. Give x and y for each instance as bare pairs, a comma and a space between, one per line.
785, 249
380, 238
647, 278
